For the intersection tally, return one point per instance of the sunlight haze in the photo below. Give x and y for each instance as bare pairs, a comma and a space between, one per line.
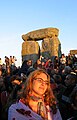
19, 17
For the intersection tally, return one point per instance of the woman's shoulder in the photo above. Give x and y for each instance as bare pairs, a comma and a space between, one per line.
14, 105
21, 111
17, 104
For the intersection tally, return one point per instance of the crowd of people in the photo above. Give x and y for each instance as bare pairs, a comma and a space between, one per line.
45, 90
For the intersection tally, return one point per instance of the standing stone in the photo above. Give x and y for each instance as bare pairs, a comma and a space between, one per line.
46, 48
50, 47
30, 50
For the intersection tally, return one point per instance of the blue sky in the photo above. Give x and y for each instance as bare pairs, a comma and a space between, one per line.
19, 17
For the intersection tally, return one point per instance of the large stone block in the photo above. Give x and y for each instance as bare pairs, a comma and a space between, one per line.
30, 50
50, 46
73, 52
30, 47
40, 34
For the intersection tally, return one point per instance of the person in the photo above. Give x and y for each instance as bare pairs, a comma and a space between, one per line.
24, 68
37, 101
64, 96
73, 106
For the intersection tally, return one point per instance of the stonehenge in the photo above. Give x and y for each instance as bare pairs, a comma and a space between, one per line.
50, 47
72, 52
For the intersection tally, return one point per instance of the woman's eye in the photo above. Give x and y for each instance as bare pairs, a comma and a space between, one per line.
39, 80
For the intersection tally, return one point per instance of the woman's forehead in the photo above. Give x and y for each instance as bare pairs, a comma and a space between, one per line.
41, 74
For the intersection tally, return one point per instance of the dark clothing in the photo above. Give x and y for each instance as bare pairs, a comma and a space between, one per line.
65, 104
23, 68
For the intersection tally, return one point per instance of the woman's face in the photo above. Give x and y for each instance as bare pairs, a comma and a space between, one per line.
40, 84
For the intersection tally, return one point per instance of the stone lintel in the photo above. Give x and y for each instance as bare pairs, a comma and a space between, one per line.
41, 34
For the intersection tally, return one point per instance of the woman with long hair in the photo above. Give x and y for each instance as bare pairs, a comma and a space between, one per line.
37, 101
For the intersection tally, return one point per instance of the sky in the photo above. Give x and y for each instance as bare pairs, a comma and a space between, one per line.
18, 17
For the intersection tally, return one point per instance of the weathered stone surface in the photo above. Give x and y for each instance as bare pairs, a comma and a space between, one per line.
32, 57
50, 46
30, 50
41, 34
73, 52
30, 47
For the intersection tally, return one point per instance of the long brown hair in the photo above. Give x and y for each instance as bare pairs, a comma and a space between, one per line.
49, 98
